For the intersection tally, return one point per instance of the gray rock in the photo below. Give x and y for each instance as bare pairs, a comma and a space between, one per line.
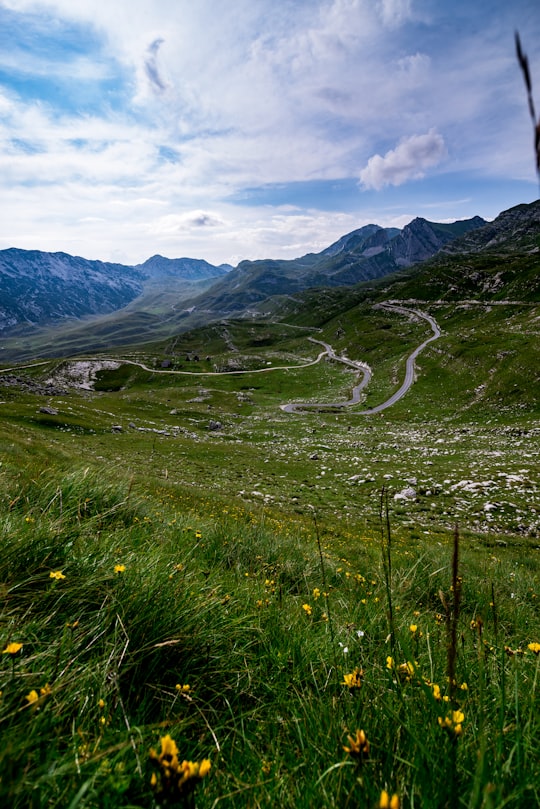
406, 494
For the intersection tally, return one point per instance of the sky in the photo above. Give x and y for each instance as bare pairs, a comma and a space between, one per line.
246, 129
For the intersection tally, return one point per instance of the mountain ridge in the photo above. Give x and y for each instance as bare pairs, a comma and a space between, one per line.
39, 288
362, 255
497, 260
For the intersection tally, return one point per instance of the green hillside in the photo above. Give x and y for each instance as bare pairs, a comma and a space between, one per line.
208, 601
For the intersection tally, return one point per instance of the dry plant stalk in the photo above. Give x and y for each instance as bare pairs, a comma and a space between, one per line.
524, 65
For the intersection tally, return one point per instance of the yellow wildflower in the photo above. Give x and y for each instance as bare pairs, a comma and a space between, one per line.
354, 679
534, 647
308, 609
183, 689
204, 767
177, 779
36, 700
413, 629
453, 722
358, 745
387, 802
406, 671
389, 663
12, 649
316, 593
119, 568
56, 574
436, 691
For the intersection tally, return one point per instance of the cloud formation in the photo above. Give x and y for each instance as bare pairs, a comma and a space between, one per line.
244, 130
409, 160
157, 82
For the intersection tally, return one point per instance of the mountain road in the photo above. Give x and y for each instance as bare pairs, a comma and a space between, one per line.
355, 398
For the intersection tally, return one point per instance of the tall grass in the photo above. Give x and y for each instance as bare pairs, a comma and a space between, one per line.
236, 636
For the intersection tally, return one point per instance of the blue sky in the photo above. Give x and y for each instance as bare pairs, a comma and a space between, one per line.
232, 129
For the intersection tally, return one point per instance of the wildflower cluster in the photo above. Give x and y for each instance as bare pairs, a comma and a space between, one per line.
183, 689
174, 779
404, 671
358, 747
354, 679
35, 700
387, 802
452, 722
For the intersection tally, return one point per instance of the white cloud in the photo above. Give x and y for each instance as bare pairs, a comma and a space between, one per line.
394, 12
214, 101
409, 160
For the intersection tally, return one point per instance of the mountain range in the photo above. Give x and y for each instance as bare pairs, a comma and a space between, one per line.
38, 288
53, 304
365, 254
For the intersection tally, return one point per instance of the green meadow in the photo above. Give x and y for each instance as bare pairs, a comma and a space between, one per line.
209, 602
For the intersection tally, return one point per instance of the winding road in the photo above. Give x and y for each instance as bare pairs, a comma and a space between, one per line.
296, 407
366, 371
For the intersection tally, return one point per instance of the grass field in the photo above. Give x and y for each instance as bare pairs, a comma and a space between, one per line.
261, 587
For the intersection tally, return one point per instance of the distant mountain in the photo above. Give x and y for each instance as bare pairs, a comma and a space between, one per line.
37, 288
514, 230
190, 269
365, 254
498, 261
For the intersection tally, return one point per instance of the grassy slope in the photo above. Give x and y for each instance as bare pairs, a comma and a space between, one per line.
216, 533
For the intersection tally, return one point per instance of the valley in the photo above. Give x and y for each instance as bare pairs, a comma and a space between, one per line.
262, 536
241, 433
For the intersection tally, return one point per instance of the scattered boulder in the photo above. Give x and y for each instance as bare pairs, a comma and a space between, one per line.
49, 411
406, 494
214, 425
